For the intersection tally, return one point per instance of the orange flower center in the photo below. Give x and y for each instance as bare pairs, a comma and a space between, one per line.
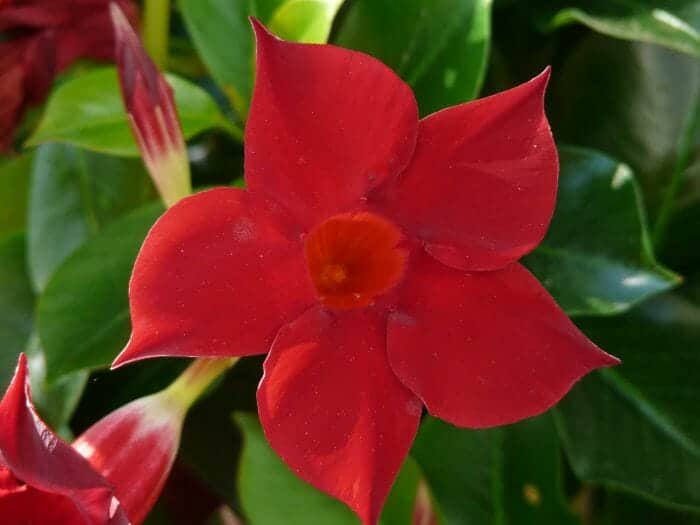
353, 258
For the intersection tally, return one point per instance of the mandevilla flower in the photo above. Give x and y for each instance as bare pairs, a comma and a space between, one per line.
113, 473
375, 257
149, 103
44, 37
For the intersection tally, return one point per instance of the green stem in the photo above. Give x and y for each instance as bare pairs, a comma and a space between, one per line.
156, 30
197, 378
669, 201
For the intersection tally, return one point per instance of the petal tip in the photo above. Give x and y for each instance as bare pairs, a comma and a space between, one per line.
260, 30
609, 360
541, 81
124, 358
119, 21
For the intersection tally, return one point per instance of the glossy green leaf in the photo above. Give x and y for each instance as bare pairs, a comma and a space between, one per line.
440, 47
222, 34
262, 473
83, 314
14, 191
88, 111
636, 426
307, 21
597, 256
637, 105
491, 477
73, 194
16, 304
674, 24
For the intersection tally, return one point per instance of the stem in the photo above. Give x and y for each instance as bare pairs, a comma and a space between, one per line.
669, 200
195, 380
156, 30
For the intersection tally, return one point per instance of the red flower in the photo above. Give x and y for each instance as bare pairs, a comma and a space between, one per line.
375, 257
111, 476
47, 36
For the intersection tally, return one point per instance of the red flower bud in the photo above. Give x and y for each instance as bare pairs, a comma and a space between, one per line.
151, 108
42, 479
134, 448
113, 473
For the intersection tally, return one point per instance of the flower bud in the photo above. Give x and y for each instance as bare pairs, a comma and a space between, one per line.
151, 108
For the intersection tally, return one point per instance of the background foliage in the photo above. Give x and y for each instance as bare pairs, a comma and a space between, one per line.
622, 254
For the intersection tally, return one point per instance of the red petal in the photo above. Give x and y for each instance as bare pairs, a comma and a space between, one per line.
326, 126
218, 275
26, 505
12, 96
334, 411
485, 349
35, 455
480, 190
146, 432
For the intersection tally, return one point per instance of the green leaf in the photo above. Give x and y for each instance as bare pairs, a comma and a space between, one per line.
73, 194
637, 103
307, 21
55, 402
222, 34
88, 111
16, 304
262, 473
497, 476
636, 426
83, 314
440, 47
674, 24
223, 37
597, 256
14, 191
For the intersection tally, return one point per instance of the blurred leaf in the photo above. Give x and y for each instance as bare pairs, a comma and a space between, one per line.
222, 34
73, 193
88, 111
633, 101
680, 248
636, 425
620, 508
16, 304
440, 47
503, 475
307, 21
14, 190
597, 256
674, 24
83, 315
262, 473
55, 402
